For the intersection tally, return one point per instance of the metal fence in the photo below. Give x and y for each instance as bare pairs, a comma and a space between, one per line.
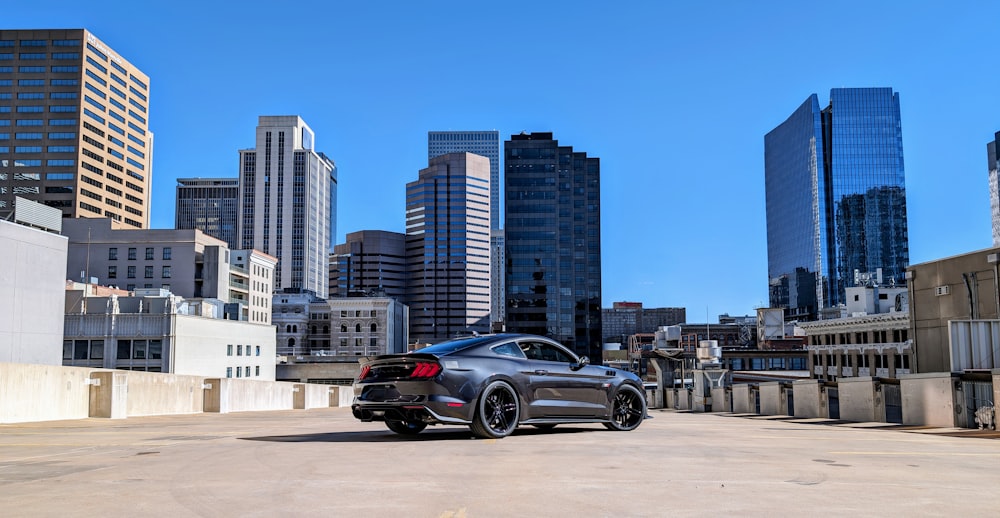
893, 402
978, 409
833, 401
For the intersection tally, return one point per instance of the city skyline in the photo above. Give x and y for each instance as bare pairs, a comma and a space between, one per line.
678, 100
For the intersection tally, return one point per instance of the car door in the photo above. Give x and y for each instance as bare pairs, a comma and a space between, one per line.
559, 388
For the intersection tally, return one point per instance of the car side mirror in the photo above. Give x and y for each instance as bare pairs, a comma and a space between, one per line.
584, 361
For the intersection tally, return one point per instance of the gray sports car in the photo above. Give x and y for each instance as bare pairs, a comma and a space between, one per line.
493, 383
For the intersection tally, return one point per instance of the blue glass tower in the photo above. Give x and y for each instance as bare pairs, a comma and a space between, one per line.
836, 199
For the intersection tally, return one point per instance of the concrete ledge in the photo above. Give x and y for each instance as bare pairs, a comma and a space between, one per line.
30, 393
232, 395
341, 395
742, 403
928, 399
858, 399
810, 399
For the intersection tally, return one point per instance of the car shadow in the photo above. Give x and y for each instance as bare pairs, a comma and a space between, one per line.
430, 434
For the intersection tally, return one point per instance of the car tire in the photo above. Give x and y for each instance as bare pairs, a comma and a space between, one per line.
497, 411
628, 409
406, 427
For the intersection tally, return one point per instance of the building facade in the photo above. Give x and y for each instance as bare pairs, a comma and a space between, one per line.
487, 144
156, 331
188, 263
314, 330
74, 130
624, 319
448, 247
288, 202
553, 236
209, 205
993, 165
369, 262
32, 294
835, 199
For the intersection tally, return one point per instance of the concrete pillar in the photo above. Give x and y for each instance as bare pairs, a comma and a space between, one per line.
722, 399
857, 400
929, 399
109, 394
215, 396
702, 392
299, 397
683, 399
741, 400
810, 399
772, 399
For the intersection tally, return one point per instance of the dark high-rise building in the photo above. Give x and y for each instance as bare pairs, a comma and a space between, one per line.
371, 262
209, 205
73, 127
553, 236
836, 199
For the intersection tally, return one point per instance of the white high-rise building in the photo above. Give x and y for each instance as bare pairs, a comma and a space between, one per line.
287, 198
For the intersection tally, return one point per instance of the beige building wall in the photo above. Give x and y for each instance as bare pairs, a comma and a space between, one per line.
94, 148
963, 287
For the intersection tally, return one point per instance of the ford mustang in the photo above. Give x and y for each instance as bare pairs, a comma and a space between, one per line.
493, 384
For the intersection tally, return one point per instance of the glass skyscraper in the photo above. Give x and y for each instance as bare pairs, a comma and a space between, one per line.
553, 237
209, 205
836, 199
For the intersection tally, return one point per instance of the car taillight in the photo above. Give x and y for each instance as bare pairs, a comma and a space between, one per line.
425, 370
364, 372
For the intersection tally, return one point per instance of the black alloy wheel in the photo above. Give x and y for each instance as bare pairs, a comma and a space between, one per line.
406, 427
628, 409
497, 412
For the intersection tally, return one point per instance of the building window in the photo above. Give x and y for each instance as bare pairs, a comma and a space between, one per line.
343, 342
166, 272
131, 272
343, 313
149, 272
257, 370
112, 272
247, 370
112, 254
149, 253
373, 342
229, 372
258, 350
131, 254
239, 371
343, 328
374, 328
138, 349
229, 350
357, 328
166, 253
239, 350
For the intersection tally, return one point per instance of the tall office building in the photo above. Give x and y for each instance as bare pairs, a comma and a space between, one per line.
994, 168
836, 199
487, 144
448, 247
553, 234
209, 205
73, 127
370, 262
285, 203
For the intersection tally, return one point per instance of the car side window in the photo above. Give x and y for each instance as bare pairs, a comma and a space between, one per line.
544, 352
508, 349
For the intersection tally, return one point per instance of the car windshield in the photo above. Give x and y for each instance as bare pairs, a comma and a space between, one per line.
451, 346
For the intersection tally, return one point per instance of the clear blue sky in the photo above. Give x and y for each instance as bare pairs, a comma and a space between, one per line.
674, 97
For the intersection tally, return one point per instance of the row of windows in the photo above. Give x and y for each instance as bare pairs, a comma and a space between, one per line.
125, 349
130, 273
245, 371
239, 350
41, 43
132, 253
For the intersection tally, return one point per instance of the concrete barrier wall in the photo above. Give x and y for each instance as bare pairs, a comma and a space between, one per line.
928, 399
722, 399
341, 395
232, 395
741, 400
772, 401
317, 396
152, 393
810, 399
43, 392
857, 399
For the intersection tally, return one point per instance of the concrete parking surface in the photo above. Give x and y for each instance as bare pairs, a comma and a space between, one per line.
325, 463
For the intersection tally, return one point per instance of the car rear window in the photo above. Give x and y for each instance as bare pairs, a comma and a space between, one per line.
451, 346
508, 349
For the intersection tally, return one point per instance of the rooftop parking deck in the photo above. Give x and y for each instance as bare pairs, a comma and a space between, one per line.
322, 462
